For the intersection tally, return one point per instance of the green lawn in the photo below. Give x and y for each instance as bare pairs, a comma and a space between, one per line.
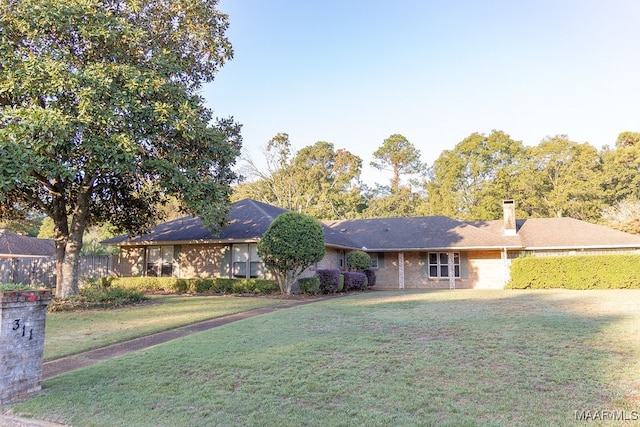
377, 359
69, 333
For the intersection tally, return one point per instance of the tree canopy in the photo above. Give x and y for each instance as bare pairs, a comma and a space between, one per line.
470, 181
402, 157
318, 179
101, 119
565, 179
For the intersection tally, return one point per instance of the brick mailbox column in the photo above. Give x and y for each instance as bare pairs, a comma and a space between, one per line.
22, 319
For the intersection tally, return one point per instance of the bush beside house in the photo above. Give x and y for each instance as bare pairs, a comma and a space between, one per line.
358, 260
309, 285
209, 285
576, 272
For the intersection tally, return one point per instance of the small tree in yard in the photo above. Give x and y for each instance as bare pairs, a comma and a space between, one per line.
292, 243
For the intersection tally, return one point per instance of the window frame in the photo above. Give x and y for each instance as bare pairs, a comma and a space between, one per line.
441, 265
159, 264
245, 262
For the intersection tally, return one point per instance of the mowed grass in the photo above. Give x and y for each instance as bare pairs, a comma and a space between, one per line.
377, 359
68, 333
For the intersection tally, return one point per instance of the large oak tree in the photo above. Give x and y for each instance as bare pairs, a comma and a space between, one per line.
100, 116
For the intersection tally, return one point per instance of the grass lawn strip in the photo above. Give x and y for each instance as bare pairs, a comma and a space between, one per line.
69, 333
378, 359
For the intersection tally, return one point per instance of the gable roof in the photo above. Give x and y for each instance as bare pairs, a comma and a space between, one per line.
13, 244
417, 233
562, 233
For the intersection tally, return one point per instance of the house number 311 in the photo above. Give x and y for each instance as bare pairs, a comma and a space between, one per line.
17, 325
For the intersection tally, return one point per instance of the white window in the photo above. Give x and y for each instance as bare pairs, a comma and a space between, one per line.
160, 261
246, 262
439, 264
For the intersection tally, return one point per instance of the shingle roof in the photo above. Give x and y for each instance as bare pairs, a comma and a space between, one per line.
14, 244
426, 232
249, 220
565, 233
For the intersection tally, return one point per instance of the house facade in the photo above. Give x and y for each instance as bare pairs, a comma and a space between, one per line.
418, 252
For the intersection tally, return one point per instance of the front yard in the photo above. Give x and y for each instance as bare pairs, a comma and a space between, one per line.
382, 358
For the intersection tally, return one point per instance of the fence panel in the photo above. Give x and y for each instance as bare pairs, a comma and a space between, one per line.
40, 271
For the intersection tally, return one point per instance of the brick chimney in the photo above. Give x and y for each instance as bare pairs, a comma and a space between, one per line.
509, 210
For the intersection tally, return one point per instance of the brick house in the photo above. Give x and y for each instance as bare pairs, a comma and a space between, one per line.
416, 252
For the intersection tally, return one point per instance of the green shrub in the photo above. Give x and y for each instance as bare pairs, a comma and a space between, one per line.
8, 287
358, 260
576, 272
96, 296
309, 285
196, 285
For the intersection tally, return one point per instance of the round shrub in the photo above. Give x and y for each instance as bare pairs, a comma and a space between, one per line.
358, 260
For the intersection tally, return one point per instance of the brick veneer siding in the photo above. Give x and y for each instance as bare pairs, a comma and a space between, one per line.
480, 270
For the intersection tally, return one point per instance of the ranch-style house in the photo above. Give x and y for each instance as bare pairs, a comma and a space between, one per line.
415, 252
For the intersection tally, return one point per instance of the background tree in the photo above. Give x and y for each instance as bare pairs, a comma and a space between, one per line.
317, 180
623, 216
383, 204
100, 116
471, 181
565, 179
292, 243
399, 155
29, 225
621, 169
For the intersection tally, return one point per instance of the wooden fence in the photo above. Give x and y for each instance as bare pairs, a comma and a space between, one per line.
41, 271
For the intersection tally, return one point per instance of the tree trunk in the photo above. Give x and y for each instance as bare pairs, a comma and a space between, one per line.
69, 244
69, 269
59, 259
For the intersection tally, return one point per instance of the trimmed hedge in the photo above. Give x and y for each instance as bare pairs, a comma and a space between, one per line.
212, 285
329, 280
354, 281
371, 277
576, 272
309, 285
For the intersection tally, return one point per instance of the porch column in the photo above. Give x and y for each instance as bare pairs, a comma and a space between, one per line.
400, 270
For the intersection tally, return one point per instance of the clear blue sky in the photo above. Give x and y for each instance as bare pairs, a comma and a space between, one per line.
353, 72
